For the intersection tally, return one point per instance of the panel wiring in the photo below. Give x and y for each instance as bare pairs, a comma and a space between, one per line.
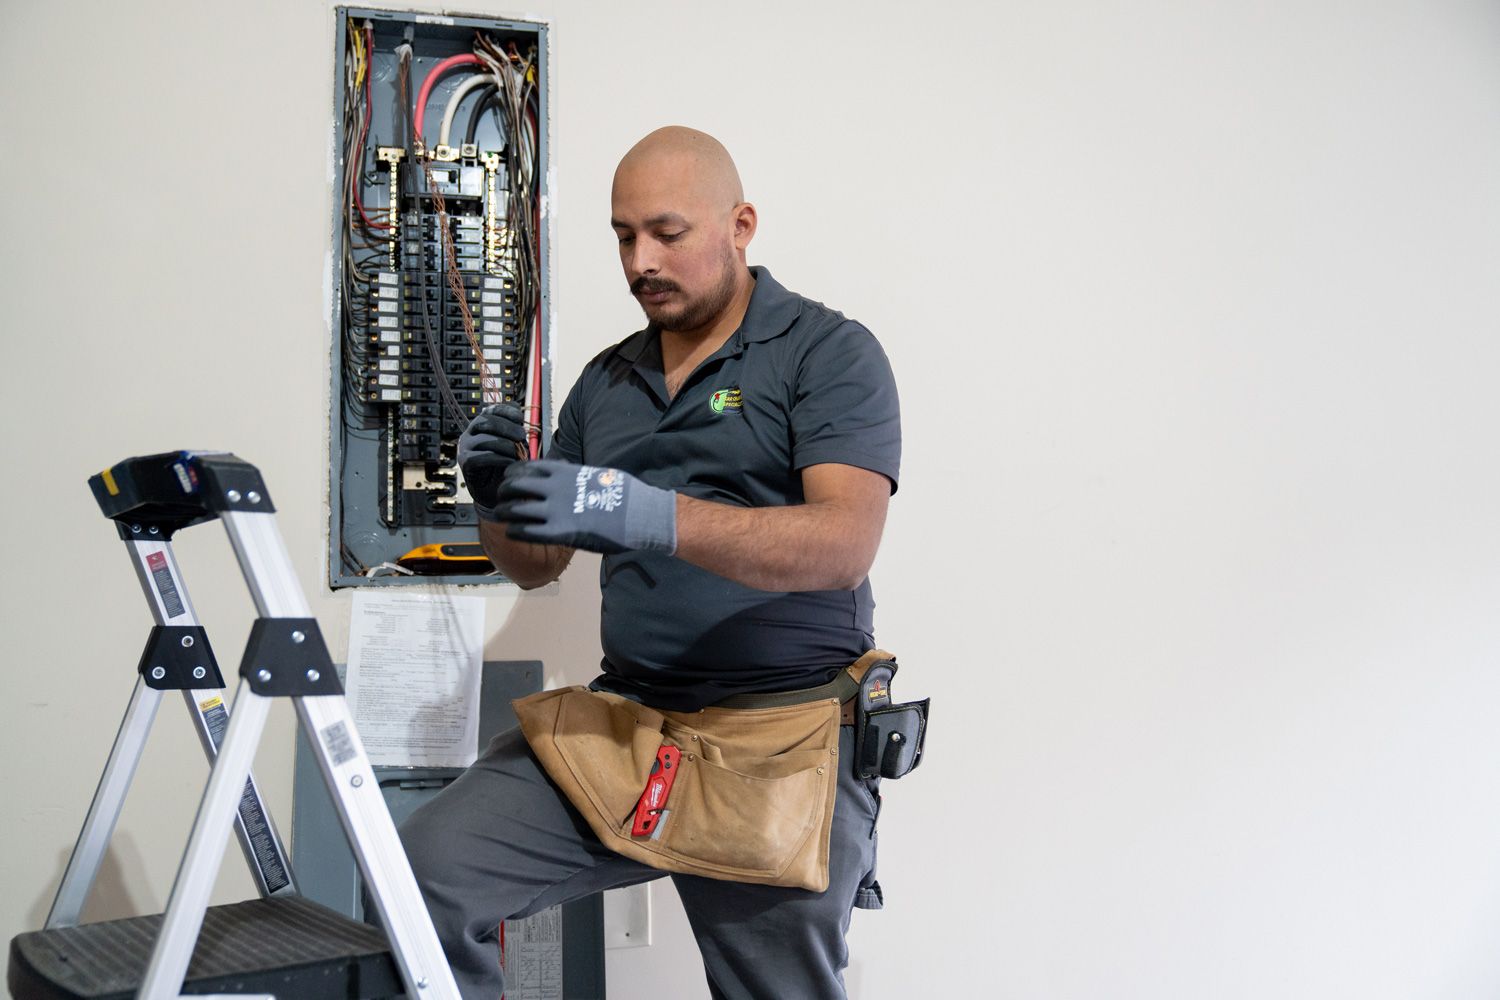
441, 288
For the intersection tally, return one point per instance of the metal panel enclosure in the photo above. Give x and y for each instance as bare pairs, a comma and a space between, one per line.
441, 278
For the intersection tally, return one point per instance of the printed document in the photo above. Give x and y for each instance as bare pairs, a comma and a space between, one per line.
413, 677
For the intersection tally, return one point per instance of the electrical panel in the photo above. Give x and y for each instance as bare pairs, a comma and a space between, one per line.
441, 265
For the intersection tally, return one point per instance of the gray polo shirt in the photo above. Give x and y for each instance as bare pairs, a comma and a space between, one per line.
798, 384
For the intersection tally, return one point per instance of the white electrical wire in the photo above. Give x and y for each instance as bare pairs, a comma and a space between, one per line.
451, 111
371, 573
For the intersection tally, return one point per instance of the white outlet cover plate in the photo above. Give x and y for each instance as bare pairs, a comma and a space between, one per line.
627, 917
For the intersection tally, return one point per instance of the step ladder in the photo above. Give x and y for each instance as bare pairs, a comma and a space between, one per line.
279, 945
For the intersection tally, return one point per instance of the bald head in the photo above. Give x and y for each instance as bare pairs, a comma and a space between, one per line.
695, 163
680, 215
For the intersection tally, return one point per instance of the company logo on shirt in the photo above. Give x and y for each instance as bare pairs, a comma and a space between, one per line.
727, 400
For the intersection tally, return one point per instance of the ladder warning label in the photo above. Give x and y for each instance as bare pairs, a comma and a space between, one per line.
216, 719
338, 744
252, 814
272, 866
161, 575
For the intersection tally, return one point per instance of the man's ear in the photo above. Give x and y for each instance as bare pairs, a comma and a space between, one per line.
745, 221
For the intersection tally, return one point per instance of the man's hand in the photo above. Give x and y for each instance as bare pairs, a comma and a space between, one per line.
486, 450
602, 510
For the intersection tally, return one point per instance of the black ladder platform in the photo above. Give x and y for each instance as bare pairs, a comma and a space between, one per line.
287, 946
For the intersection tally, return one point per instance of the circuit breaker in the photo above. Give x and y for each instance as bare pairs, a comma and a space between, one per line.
441, 271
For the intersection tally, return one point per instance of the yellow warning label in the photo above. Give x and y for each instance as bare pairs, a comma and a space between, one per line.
109, 482
210, 703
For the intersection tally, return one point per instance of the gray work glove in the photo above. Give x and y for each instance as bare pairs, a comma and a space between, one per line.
486, 449
585, 507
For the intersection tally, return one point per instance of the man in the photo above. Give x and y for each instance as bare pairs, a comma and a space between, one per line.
740, 454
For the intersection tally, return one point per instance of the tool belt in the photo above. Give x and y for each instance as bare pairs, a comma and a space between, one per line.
741, 791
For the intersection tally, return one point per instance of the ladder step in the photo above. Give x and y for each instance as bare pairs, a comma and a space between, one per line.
287, 945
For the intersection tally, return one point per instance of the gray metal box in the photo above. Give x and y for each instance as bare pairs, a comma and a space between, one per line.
325, 867
369, 521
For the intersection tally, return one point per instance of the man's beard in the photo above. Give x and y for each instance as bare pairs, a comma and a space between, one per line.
695, 313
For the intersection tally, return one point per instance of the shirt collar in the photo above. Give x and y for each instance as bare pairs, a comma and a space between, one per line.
771, 312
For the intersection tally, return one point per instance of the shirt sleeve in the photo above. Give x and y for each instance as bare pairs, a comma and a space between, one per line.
844, 405
567, 436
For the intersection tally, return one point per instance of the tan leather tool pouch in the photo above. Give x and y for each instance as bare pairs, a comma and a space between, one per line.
752, 800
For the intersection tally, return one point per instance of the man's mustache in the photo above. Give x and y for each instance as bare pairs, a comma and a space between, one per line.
644, 285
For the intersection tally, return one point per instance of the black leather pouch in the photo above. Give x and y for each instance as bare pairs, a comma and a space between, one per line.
890, 741
888, 737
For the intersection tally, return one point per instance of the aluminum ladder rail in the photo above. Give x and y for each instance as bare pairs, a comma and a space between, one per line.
150, 498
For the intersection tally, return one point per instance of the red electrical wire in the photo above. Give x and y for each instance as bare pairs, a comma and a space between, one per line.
462, 59
502, 951
535, 407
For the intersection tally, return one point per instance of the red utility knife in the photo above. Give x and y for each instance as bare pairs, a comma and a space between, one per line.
651, 807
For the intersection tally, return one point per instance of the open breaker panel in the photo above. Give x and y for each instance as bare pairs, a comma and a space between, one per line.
441, 272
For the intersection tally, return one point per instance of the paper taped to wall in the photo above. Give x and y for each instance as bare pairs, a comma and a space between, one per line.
413, 677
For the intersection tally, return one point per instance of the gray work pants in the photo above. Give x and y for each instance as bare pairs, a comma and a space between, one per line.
502, 842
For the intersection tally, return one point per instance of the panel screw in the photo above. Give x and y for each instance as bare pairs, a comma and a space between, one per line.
155, 530
313, 675
264, 676
253, 497
187, 641
421, 984
895, 737
357, 780
135, 529
298, 637
158, 672
234, 496
199, 673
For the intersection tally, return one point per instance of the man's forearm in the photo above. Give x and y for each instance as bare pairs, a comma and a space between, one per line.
826, 542
812, 546
526, 564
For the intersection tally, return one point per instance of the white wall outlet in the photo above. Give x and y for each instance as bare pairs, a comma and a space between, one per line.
627, 917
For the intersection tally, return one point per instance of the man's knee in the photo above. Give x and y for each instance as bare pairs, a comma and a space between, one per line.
423, 846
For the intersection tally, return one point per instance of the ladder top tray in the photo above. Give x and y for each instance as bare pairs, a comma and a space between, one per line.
175, 489
287, 946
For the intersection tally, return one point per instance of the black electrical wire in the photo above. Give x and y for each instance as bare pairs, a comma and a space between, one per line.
354, 314
489, 95
434, 352
523, 204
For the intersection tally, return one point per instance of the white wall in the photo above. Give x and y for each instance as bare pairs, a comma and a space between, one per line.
1193, 311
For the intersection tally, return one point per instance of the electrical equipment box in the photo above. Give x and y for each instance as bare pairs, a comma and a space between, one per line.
441, 276
566, 943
